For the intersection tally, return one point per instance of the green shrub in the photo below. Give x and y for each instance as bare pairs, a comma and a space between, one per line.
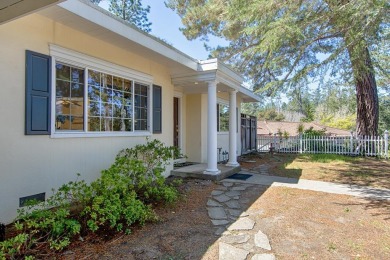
44, 224
133, 180
116, 200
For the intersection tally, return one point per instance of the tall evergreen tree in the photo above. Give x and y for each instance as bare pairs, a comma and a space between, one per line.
131, 11
281, 43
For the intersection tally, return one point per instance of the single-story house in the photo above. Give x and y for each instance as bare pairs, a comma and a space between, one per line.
79, 84
267, 128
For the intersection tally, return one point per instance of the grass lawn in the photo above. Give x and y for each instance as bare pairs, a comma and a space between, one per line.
366, 171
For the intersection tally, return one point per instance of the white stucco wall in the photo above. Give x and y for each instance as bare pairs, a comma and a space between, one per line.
35, 164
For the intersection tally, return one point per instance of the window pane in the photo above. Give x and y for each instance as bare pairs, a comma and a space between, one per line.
128, 125
144, 102
62, 72
93, 78
77, 90
119, 111
93, 124
223, 118
106, 109
77, 107
62, 89
106, 94
94, 93
94, 108
107, 81
77, 123
127, 85
69, 97
140, 125
106, 124
62, 122
128, 111
119, 124
118, 83
112, 103
77, 75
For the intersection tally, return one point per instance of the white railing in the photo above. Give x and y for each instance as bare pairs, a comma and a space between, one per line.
348, 145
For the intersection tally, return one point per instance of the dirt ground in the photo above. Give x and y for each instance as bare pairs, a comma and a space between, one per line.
366, 171
300, 225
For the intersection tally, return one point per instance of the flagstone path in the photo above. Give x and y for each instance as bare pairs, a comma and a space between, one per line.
239, 236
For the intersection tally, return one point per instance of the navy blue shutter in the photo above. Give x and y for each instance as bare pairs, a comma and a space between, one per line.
38, 93
157, 110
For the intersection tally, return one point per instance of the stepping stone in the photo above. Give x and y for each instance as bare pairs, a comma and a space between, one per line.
252, 212
236, 197
227, 184
222, 198
216, 192
242, 224
217, 213
239, 188
263, 257
233, 204
220, 231
233, 193
234, 212
248, 247
261, 240
219, 222
235, 239
228, 252
221, 188
213, 203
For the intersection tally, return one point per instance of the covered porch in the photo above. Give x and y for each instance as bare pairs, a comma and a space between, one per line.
208, 91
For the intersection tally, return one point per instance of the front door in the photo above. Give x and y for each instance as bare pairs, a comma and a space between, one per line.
176, 124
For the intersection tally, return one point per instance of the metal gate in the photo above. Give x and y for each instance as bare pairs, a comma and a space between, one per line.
248, 133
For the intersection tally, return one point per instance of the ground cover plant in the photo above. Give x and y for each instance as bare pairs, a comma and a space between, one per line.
119, 198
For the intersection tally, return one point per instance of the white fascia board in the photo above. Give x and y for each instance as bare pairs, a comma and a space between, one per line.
215, 64
194, 77
101, 17
249, 93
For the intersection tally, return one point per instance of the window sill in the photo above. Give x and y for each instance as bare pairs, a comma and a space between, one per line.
100, 134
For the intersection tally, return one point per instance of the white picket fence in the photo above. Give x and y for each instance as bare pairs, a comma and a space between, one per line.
347, 145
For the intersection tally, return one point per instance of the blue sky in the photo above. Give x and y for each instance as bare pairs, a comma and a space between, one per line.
166, 24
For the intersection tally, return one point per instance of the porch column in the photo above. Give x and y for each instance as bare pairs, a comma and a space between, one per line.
232, 129
212, 129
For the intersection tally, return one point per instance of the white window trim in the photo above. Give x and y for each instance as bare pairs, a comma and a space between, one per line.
70, 57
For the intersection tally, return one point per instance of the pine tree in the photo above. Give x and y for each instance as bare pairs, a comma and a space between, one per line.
279, 44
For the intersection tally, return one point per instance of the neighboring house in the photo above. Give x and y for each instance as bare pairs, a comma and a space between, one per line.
78, 85
266, 128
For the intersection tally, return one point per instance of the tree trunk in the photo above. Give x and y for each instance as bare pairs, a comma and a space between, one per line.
366, 91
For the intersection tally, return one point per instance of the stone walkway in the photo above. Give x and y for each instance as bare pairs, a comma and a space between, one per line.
239, 236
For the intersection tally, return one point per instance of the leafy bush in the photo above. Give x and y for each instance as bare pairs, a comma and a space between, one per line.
45, 224
116, 200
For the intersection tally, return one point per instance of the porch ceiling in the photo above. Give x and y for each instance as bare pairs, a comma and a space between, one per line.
12, 9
